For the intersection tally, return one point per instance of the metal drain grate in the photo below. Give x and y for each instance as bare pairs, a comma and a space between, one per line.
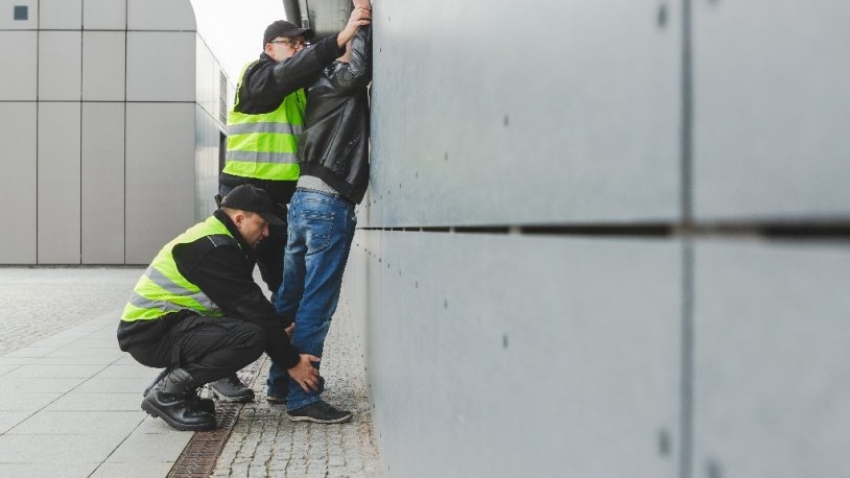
201, 453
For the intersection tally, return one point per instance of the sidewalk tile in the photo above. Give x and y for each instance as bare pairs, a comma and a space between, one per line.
20, 385
54, 371
10, 419
14, 400
65, 470
81, 401
145, 447
133, 470
117, 424
62, 449
114, 385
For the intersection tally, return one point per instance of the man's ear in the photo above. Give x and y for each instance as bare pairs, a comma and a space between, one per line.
238, 218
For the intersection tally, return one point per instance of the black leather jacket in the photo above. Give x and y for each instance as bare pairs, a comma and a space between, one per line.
335, 142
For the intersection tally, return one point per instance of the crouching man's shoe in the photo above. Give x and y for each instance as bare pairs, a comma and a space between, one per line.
231, 389
319, 412
205, 404
173, 400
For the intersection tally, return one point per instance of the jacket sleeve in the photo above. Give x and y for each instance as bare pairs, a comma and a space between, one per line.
224, 275
269, 82
358, 73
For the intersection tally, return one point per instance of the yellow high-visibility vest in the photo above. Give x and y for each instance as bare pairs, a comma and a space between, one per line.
162, 289
265, 146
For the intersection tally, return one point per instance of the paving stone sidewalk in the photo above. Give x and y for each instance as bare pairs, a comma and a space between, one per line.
36, 303
264, 443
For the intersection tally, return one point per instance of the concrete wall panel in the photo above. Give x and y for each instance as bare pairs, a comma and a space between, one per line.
160, 66
60, 14
771, 110
18, 137
19, 53
58, 183
475, 336
471, 130
160, 162
59, 66
105, 14
160, 15
772, 360
7, 17
103, 66
102, 218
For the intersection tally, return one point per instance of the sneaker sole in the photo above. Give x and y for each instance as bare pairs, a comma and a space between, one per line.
155, 413
225, 398
296, 418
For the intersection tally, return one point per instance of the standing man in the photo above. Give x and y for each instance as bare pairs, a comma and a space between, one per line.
263, 126
198, 312
334, 154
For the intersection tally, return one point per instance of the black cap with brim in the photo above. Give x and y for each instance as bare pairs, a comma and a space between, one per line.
282, 28
252, 199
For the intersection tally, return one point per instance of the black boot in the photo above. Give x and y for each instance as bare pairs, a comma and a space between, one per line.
172, 399
205, 404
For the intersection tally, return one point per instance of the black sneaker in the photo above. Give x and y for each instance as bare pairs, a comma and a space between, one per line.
319, 412
231, 389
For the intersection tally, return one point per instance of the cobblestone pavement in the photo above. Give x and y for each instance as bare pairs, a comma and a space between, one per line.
36, 303
265, 443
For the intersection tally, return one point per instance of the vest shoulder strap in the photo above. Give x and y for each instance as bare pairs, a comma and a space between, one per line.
222, 240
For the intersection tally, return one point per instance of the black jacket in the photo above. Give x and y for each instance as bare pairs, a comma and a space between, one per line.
335, 142
262, 89
224, 272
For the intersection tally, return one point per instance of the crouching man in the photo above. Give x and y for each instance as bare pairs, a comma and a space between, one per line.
197, 312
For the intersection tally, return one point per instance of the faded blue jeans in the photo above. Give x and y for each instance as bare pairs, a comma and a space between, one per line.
320, 230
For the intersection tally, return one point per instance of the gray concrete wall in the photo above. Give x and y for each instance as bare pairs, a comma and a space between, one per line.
107, 129
607, 239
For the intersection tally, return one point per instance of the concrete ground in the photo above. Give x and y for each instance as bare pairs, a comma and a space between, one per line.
69, 398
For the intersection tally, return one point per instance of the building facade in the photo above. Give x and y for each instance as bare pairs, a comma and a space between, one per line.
112, 121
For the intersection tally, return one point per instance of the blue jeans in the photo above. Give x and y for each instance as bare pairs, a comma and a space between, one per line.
321, 228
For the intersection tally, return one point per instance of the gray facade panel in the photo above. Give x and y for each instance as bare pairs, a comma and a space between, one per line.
105, 14
517, 339
7, 17
585, 132
160, 162
160, 15
207, 168
103, 66
58, 183
59, 66
60, 14
102, 218
161, 66
19, 53
772, 360
18, 137
771, 110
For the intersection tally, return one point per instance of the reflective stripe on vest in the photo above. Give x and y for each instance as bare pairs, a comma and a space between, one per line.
163, 289
265, 146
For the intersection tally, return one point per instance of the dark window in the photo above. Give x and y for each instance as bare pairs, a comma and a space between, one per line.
22, 12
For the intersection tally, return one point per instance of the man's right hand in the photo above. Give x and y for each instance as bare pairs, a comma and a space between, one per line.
363, 4
359, 16
304, 373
